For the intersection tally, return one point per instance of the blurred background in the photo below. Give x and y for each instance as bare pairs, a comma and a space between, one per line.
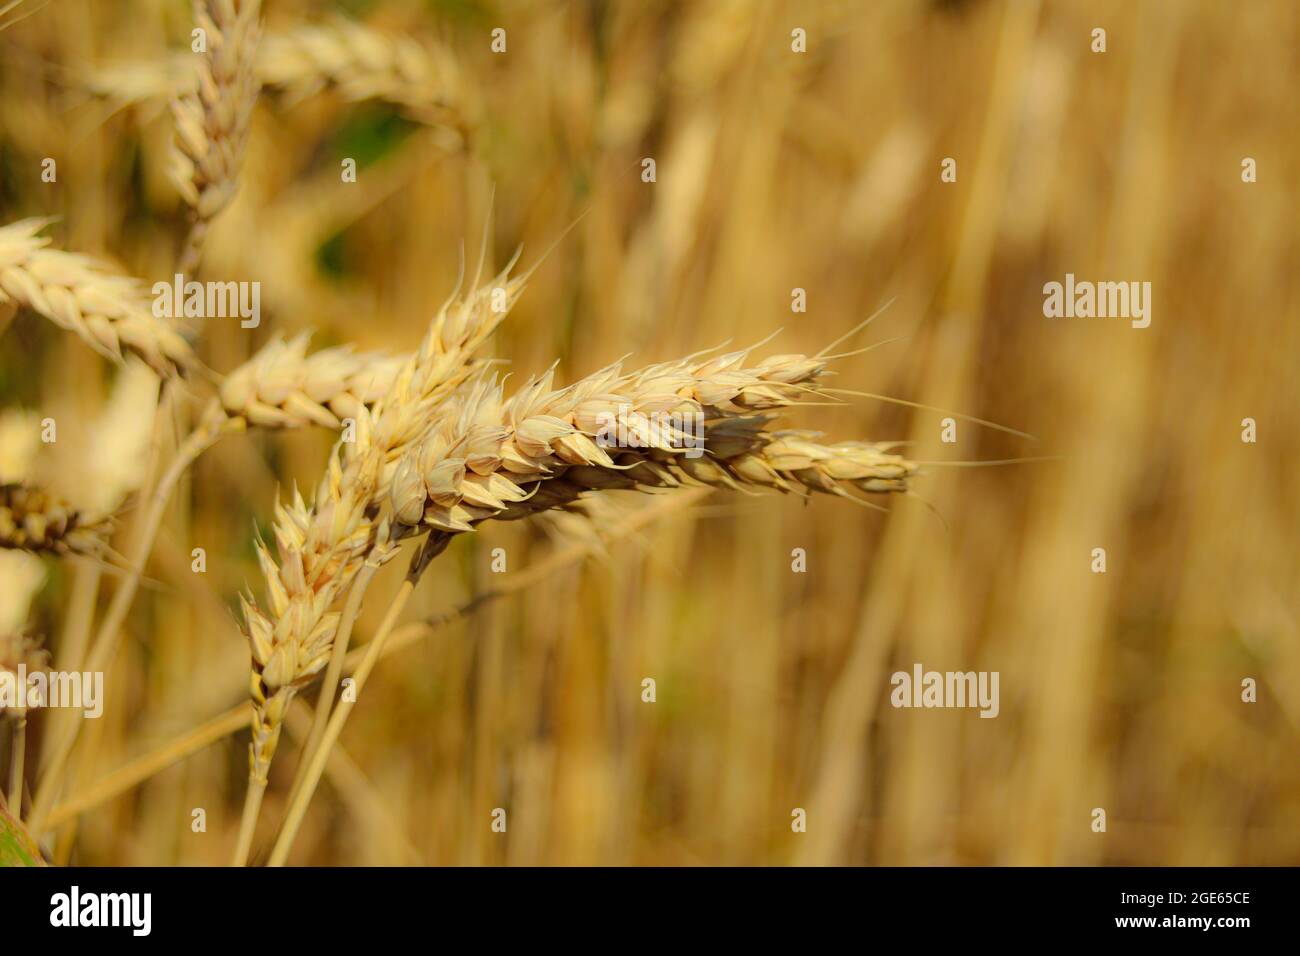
775, 170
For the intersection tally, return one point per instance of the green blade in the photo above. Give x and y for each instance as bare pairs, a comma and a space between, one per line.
16, 847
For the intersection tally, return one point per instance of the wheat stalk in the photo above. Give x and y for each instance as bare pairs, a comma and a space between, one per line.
109, 311
19, 651
212, 118
101, 652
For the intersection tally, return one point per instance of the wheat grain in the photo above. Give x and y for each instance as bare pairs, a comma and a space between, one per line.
109, 311
212, 118
33, 520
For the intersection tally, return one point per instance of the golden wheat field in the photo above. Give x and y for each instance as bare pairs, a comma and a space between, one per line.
301, 303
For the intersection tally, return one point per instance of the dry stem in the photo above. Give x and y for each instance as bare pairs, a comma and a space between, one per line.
106, 640
136, 771
433, 545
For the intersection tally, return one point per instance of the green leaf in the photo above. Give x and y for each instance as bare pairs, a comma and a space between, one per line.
16, 847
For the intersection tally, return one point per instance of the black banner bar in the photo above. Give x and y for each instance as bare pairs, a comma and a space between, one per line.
341, 905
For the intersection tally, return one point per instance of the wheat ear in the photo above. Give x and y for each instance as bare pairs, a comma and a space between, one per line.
491, 458
322, 547
362, 64
35, 520
357, 61
282, 386
212, 118
108, 310
488, 458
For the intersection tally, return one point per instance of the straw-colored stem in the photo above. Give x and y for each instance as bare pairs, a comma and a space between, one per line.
248, 821
192, 251
316, 766
339, 653
72, 652
231, 721
359, 793
156, 761
79, 770
18, 754
76, 635
106, 641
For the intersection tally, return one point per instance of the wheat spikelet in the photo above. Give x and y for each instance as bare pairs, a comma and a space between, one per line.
33, 520
107, 310
212, 118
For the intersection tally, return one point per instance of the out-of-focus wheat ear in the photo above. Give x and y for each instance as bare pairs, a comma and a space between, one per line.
107, 310
34, 520
282, 386
362, 64
212, 119
356, 61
